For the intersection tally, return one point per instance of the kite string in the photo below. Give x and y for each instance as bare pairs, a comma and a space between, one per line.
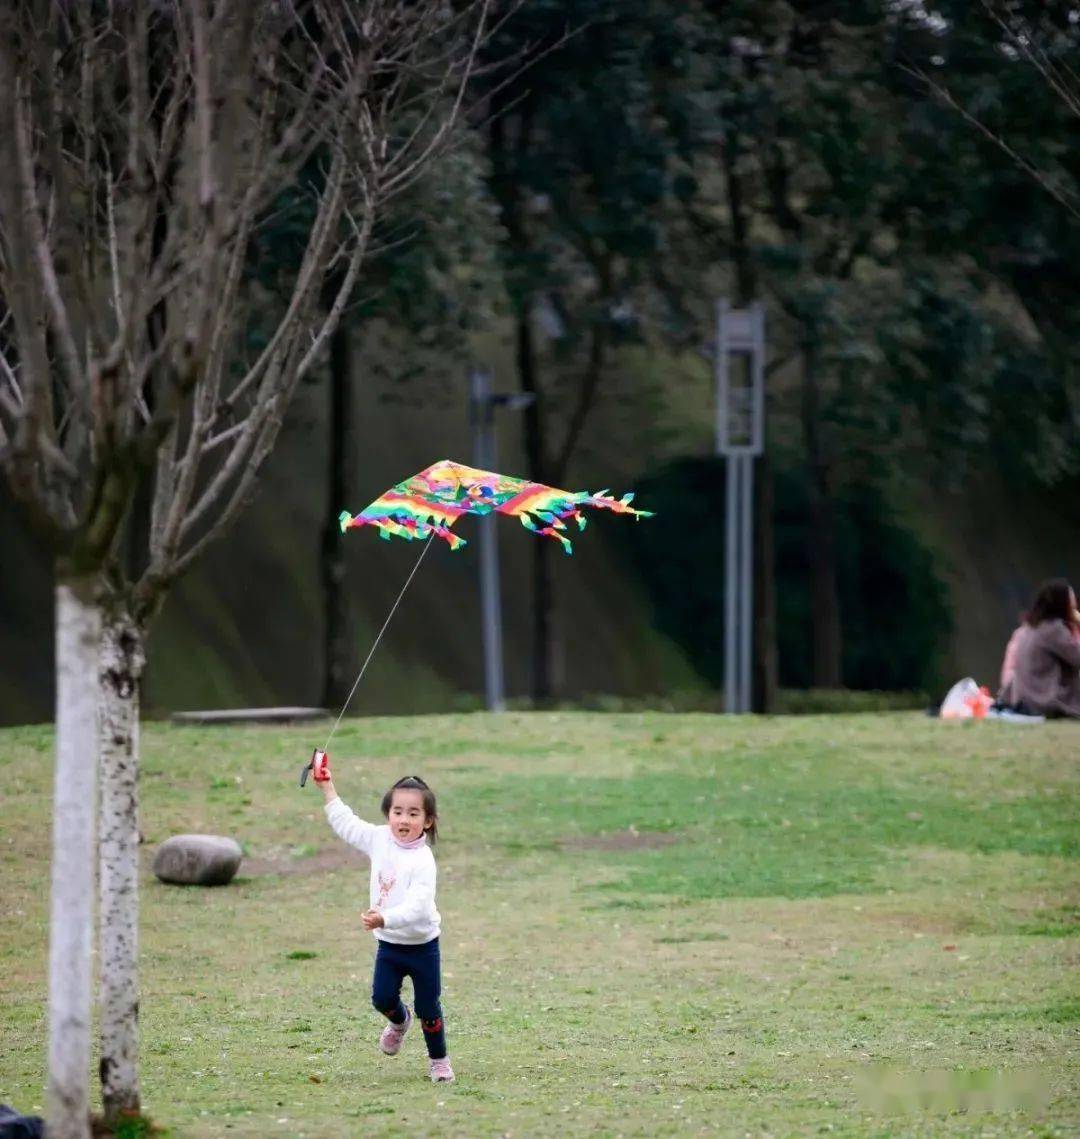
371, 653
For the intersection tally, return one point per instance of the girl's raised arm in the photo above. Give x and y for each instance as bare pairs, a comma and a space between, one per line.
345, 824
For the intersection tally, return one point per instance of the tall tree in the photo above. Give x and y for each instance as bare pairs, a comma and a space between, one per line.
792, 89
993, 185
787, 144
143, 148
899, 244
579, 169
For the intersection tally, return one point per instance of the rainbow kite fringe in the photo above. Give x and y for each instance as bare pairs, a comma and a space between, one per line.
433, 500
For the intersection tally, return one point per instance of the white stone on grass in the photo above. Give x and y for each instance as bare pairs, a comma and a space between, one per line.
197, 860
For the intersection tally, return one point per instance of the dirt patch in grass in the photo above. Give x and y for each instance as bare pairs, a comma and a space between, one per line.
930, 923
621, 840
320, 863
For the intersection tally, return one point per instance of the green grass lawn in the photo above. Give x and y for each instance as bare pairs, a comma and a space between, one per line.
652, 925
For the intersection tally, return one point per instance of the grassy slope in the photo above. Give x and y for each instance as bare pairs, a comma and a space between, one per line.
653, 925
246, 626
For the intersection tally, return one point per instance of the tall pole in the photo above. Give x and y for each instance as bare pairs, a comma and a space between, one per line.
746, 580
731, 569
483, 417
740, 421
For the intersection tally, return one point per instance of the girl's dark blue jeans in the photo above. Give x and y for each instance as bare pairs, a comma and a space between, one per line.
393, 963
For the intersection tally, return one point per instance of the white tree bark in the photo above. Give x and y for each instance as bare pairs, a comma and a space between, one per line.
122, 660
78, 635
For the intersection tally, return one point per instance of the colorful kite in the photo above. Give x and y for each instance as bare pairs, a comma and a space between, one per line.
433, 500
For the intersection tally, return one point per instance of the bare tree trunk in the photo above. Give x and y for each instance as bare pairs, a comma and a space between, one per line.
824, 591
122, 660
337, 611
78, 632
507, 191
535, 452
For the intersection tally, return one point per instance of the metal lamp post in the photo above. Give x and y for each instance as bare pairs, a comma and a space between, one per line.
482, 404
740, 436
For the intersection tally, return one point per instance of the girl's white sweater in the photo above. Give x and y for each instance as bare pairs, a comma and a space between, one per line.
402, 880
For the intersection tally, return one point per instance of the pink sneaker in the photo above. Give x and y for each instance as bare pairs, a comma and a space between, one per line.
394, 1034
441, 1072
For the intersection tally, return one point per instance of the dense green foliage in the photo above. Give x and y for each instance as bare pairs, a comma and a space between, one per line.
895, 613
838, 161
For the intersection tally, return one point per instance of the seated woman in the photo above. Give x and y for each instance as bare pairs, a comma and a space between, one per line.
1045, 654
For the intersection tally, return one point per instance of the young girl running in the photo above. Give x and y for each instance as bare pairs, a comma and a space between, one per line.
402, 912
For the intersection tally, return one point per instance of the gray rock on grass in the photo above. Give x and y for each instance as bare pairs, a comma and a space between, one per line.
197, 860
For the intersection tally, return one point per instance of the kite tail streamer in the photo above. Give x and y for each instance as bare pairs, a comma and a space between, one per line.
435, 498
371, 652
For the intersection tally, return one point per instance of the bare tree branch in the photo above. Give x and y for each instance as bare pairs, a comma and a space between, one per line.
43, 257
171, 139
1024, 41
362, 234
412, 167
1062, 195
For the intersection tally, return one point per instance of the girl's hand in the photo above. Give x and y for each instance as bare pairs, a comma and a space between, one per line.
320, 766
328, 790
372, 919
